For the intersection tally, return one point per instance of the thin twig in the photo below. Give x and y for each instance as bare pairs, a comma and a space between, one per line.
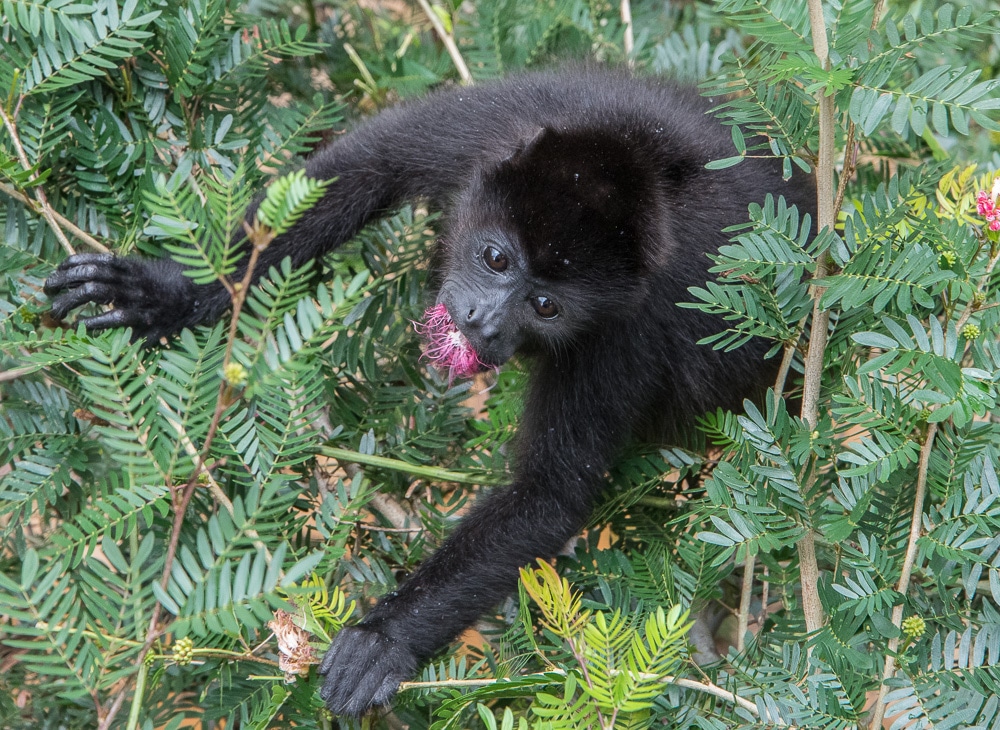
746, 592
716, 691
850, 145
765, 585
206, 473
181, 498
628, 41
825, 220
983, 281
812, 608
877, 17
181, 503
813, 377
903, 584
449, 42
577, 651
444, 683
15, 373
378, 528
116, 705
746, 595
850, 162
399, 517
786, 362
47, 210
66, 223
706, 687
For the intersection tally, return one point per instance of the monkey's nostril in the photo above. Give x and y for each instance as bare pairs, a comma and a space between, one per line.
471, 313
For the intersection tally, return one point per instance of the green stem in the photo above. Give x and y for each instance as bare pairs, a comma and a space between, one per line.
140, 690
658, 502
428, 472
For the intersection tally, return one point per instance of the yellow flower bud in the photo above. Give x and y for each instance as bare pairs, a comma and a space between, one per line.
235, 374
914, 627
183, 651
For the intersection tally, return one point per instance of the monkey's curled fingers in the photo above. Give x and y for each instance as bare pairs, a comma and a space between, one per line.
363, 668
151, 296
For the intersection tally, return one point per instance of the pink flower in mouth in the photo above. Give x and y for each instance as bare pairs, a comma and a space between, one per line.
446, 346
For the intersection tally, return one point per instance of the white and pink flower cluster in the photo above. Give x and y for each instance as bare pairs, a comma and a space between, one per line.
447, 348
986, 204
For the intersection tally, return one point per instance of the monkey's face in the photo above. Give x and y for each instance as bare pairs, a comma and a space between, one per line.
500, 304
543, 249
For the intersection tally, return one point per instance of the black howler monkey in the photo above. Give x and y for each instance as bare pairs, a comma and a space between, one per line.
579, 211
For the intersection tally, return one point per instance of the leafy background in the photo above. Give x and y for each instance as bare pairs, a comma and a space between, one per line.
160, 508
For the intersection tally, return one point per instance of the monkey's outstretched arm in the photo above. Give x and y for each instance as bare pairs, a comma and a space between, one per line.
421, 150
565, 449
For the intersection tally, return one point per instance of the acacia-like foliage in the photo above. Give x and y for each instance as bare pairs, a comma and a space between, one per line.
184, 528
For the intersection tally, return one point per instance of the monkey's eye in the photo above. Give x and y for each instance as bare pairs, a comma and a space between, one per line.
495, 259
545, 307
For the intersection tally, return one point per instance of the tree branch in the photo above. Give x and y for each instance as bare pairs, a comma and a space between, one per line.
813, 377
66, 223
43, 202
448, 41
628, 41
181, 498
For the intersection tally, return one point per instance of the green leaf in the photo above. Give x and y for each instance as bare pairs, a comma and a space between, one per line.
288, 198
29, 568
874, 339
165, 600
302, 568
725, 162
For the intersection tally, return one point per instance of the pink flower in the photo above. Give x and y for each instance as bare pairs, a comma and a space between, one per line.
986, 204
446, 346
995, 224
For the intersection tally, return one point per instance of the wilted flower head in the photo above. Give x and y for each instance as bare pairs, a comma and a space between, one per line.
294, 653
446, 346
986, 205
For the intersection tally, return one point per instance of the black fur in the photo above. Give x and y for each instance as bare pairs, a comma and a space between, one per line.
594, 185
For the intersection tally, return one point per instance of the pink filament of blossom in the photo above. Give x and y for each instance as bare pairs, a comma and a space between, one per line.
446, 346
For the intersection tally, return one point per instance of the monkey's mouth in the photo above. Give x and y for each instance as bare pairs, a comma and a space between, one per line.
447, 348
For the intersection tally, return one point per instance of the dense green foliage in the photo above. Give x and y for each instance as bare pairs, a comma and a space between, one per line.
170, 517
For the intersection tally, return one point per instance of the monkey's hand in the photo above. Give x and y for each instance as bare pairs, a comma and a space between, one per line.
363, 668
152, 296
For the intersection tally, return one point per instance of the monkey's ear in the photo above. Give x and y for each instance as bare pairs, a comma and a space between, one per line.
529, 144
